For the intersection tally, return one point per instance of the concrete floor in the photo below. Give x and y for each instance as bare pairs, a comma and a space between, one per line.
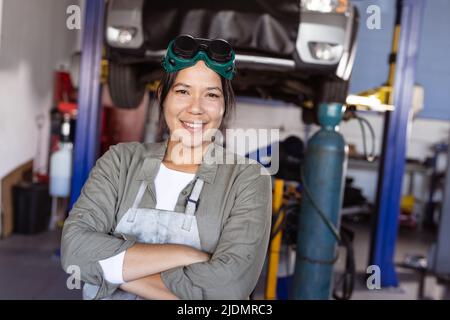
409, 242
30, 268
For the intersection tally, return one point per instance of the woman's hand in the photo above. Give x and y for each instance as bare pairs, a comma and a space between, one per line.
197, 256
142, 260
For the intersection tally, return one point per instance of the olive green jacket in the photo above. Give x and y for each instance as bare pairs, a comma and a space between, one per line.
233, 216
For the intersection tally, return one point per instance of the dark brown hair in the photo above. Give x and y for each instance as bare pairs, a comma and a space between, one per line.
166, 84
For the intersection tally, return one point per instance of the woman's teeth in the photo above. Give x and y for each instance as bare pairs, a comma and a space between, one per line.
192, 125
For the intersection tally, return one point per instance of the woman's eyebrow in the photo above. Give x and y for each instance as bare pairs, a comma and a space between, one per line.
214, 88
181, 84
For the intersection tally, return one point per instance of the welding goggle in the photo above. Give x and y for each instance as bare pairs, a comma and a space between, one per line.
184, 51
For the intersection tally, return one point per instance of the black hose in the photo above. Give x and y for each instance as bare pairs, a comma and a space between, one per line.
370, 157
287, 209
321, 214
347, 280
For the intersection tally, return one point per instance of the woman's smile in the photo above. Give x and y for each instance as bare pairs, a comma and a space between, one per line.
195, 126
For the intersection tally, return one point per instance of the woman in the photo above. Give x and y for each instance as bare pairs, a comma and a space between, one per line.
167, 220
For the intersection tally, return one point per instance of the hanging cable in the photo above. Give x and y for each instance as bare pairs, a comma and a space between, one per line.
364, 122
346, 281
370, 157
319, 211
344, 284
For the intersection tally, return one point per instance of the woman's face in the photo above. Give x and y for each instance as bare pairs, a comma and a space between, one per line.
194, 106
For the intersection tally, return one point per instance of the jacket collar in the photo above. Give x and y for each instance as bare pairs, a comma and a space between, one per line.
154, 154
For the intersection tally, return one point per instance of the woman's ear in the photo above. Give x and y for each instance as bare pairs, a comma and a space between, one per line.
158, 93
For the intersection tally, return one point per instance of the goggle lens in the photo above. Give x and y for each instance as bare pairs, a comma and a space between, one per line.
185, 47
219, 50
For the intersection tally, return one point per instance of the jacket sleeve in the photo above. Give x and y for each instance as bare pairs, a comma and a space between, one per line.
236, 264
86, 237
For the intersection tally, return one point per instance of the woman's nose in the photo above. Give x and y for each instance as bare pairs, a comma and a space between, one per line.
195, 107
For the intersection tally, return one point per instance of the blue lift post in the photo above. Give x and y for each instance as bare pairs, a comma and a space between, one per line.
88, 118
392, 164
441, 265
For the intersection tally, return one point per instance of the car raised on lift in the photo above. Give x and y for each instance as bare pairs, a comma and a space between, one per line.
297, 51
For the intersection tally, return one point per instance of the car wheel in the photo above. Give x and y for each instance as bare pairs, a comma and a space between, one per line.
125, 89
332, 91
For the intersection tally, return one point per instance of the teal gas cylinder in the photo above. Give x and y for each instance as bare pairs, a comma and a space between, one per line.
323, 180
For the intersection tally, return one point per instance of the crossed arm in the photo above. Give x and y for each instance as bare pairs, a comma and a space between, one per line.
168, 271
143, 264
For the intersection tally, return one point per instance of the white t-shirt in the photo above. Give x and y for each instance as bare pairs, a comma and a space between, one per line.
168, 184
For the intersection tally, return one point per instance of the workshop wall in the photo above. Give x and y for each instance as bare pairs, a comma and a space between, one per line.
373, 46
433, 66
35, 41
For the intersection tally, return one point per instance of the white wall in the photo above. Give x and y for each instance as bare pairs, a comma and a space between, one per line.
423, 134
35, 42
1, 8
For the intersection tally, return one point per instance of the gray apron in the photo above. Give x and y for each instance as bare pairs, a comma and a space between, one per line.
155, 226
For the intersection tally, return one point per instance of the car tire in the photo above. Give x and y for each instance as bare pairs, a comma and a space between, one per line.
125, 88
332, 91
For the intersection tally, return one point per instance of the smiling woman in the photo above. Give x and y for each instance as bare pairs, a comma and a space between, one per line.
224, 92
194, 104
157, 221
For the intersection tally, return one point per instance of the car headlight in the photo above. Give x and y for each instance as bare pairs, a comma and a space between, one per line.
122, 35
325, 6
325, 51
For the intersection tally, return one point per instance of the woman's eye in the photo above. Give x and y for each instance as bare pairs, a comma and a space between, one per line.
181, 91
213, 95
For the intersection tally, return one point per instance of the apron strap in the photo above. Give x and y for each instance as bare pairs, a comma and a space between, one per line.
140, 193
137, 201
191, 205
